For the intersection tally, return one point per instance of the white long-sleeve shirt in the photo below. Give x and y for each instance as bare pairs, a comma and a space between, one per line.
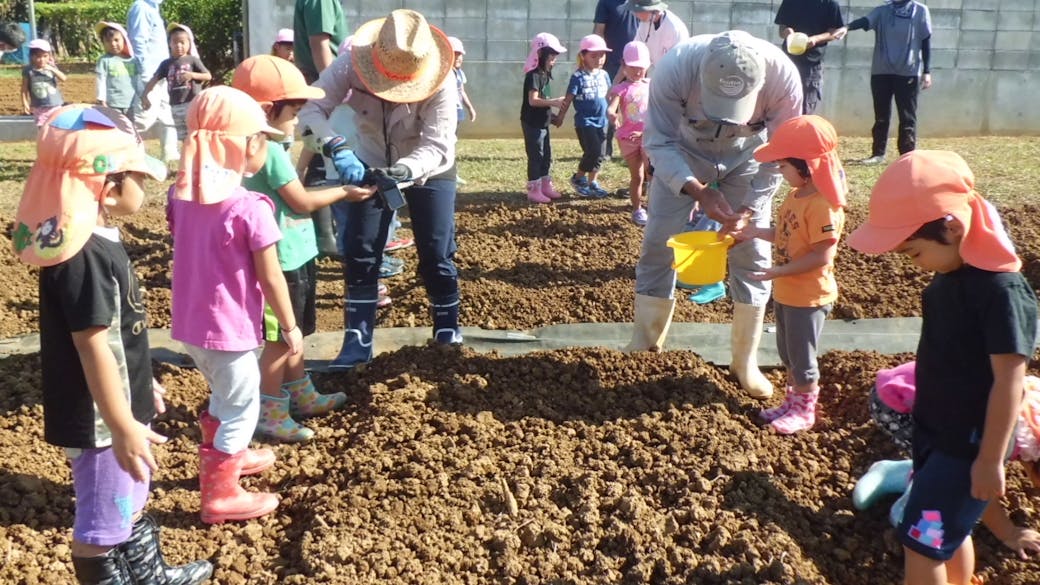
421, 135
675, 109
661, 38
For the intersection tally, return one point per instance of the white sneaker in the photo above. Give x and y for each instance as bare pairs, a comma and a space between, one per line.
460, 181
639, 217
874, 160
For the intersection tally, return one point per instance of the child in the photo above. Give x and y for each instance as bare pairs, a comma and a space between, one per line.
891, 401
809, 224
116, 69
588, 90
184, 74
464, 104
286, 390
977, 334
98, 392
628, 103
40, 93
283, 45
224, 267
535, 113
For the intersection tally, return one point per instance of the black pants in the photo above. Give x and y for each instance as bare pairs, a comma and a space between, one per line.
904, 90
593, 143
539, 151
812, 84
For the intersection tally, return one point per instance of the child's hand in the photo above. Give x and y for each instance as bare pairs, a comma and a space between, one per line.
185, 76
157, 397
353, 193
987, 479
145, 103
294, 339
133, 447
472, 115
635, 135
1023, 541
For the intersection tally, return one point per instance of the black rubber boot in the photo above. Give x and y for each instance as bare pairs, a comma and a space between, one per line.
147, 567
325, 232
108, 569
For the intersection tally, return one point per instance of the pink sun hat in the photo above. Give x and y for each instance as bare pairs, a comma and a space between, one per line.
285, 35
541, 41
456, 45
636, 54
594, 43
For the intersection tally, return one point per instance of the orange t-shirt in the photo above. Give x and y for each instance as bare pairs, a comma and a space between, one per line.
802, 222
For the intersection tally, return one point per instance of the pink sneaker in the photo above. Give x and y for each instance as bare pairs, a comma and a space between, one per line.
534, 192
771, 414
548, 190
801, 416
399, 244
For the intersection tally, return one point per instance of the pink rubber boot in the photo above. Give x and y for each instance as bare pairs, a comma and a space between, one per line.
534, 192
221, 497
548, 190
801, 416
771, 414
253, 462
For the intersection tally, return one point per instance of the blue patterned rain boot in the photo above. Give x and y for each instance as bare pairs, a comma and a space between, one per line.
360, 316
883, 477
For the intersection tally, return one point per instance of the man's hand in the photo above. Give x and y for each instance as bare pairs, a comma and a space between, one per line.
398, 173
987, 479
132, 447
713, 203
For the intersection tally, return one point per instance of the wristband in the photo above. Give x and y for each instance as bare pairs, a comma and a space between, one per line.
289, 330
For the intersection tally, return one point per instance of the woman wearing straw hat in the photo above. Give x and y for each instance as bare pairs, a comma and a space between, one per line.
395, 77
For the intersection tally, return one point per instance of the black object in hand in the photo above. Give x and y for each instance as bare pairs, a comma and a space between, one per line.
386, 186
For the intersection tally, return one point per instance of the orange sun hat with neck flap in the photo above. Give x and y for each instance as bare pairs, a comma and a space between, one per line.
925, 185
814, 140
220, 121
401, 58
78, 147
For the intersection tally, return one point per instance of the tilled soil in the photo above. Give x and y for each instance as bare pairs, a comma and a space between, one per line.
570, 466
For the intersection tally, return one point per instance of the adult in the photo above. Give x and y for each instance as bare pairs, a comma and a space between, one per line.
899, 70
821, 22
319, 28
660, 28
617, 25
148, 38
713, 100
396, 79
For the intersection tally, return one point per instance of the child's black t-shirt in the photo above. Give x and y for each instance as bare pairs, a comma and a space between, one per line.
95, 288
969, 315
536, 80
181, 92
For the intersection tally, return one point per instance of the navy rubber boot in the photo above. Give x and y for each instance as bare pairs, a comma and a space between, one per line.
360, 316
446, 321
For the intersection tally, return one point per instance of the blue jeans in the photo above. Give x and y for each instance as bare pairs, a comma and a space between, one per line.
363, 228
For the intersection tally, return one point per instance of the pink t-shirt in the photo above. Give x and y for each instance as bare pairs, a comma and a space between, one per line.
217, 301
634, 99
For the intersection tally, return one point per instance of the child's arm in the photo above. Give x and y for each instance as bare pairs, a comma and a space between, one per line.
1020, 540
147, 90
819, 254
25, 94
130, 438
200, 73
102, 82
57, 72
276, 293
751, 232
535, 100
612, 108
307, 199
1005, 398
566, 103
469, 106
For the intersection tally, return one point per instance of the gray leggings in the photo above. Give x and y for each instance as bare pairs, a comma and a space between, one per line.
797, 338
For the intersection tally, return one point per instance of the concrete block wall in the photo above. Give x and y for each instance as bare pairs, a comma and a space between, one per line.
985, 55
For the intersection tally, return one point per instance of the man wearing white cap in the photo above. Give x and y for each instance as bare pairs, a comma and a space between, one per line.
659, 28
714, 99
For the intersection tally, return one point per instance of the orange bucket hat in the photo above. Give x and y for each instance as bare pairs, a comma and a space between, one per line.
401, 58
213, 161
267, 78
926, 185
814, 140
77, 148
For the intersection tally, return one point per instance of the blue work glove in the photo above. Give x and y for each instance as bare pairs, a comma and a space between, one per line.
351, 170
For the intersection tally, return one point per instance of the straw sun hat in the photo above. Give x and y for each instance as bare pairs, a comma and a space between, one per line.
401, 58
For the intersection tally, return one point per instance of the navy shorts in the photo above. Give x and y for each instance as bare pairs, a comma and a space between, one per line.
940, 512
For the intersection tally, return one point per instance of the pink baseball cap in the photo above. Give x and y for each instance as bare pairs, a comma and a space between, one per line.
636, 54
594, 43
40, 45
456, 45
285, 35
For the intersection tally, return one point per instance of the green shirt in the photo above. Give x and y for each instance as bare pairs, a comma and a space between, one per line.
298, 244
115, 80
315, 17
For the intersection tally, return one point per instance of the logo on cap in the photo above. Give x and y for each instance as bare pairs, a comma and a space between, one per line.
732, 85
